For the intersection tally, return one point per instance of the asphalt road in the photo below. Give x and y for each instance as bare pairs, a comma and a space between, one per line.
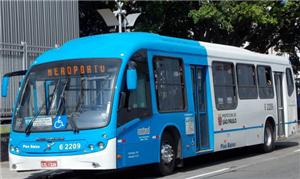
283, 163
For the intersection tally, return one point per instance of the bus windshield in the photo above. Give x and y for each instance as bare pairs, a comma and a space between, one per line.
66, 95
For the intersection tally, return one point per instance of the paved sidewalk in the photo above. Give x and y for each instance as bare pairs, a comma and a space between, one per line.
5, 173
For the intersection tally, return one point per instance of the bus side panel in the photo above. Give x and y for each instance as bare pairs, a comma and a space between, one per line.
177, 120
255, 119
210, 99
240, 126
188, 137
137, 143
291, 108
227, 124
182, 119
189, 147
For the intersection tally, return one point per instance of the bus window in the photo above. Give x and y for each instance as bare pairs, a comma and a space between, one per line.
265, 83
246, 81
290, 81
169, 84
137, 103
82, 94
224, 84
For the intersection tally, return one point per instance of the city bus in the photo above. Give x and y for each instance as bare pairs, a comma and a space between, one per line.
127, 99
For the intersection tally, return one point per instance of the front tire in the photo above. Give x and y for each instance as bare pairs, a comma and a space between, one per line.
168, 153
269, 144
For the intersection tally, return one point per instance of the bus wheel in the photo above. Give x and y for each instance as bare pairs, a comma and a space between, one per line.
168, 151
268, 144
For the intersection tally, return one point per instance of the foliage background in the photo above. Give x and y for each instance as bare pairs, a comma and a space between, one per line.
254, 25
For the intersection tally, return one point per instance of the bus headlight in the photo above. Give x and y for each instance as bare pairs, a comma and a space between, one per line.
12, 148
91, 146
101, 145
17, 150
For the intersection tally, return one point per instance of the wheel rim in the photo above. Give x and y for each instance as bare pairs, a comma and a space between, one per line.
268, 137
167, 153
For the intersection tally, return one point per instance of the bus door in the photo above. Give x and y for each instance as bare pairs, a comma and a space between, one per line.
280, 104
199, 92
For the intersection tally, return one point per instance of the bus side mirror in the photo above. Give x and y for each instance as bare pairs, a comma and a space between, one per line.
4, 87
131, 79
5, 80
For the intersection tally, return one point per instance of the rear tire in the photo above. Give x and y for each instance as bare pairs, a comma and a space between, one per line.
168, 151
269, 144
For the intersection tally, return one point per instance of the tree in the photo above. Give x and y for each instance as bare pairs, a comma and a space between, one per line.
254, 25
90, 22
166, 17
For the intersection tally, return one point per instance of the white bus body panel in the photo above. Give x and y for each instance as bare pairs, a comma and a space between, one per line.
102, 160
250, 114
291, 114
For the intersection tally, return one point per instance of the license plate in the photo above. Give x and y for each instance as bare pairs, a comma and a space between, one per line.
48, 164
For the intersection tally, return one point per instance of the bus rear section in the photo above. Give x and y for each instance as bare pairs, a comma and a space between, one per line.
253, 97
286, 103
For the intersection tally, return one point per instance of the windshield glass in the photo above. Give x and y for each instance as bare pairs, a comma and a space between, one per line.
57, 95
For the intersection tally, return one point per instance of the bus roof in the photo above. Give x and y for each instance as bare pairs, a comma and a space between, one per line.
238, 53
122, 45
118, 45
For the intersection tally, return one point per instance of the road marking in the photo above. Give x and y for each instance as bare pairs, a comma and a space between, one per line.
209, 173
242, 166
297, 150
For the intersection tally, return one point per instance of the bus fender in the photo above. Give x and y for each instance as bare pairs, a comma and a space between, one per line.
271, 120
173, 129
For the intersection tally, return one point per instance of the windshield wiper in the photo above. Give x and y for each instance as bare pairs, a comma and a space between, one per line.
58, 110
28, 128
79, 101
73, 124
78, 107
51, 101
61, 96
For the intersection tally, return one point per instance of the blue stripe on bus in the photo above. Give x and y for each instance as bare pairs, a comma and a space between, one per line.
247, 128
238, 129
291, 122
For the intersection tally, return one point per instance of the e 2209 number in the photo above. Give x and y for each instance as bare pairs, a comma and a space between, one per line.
73, 146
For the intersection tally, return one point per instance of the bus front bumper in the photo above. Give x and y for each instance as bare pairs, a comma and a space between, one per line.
102, 160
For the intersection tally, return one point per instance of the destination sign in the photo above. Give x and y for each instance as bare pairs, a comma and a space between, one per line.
76, 70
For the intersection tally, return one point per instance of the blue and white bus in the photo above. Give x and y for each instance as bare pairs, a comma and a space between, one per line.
120, 100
